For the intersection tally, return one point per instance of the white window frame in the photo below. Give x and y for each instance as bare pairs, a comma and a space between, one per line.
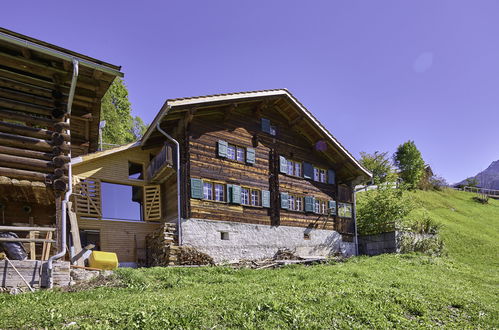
219, 189
258, 200
245, 196
208, 192
299, 203
240, 152
298, 168
231, 151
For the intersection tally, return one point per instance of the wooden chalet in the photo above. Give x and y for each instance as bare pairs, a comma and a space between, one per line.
258, 173
50, 100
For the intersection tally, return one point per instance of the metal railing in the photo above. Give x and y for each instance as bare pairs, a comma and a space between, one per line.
483, 191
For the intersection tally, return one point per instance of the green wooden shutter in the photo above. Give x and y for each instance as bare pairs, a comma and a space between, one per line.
308, 170
283, 165
196, 188
222, 148
235, 194
309, 203
284, 200
250, 155
332, 207
331, 176
228, 190
265, 125
265, 198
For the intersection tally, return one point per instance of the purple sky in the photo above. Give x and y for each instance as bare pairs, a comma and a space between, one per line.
376, 73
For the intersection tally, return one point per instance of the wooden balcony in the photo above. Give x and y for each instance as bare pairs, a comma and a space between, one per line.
161, 166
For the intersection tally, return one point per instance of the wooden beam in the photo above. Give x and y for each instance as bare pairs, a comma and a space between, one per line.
29, 119
229, 110
12, 140
27, 240
23, 174
26, 107
26, 163
26, 97
295, 121
26, 153
31, 131
15, 228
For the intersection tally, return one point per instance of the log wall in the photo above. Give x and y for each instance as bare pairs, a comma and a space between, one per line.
242, 127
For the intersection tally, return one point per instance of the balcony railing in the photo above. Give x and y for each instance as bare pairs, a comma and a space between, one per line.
160, 164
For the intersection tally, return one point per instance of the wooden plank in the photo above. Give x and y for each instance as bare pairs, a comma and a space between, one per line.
15, 228
32, 246
47, 246
26, 240
75, 233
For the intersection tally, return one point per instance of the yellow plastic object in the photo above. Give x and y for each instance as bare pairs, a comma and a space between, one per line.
103, 260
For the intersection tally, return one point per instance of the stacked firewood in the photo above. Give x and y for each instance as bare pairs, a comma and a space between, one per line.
162, 249
190, 256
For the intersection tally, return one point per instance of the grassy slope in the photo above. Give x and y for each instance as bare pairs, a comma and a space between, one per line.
459, 290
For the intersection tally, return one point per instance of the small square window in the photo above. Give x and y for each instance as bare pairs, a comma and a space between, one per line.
135, 171
224, 235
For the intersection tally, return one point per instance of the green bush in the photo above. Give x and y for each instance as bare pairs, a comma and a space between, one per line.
381, 210
420, 221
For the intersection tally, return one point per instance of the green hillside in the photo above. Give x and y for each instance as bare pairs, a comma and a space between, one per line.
458, 290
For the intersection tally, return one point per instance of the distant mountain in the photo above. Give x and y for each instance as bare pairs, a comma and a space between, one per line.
488, 178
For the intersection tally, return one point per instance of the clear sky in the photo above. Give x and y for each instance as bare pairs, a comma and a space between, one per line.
376, 73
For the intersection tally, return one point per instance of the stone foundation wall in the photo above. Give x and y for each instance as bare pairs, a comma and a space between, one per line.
231, 241
390, 242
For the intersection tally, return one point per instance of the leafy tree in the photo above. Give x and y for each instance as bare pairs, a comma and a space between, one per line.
121, 127
409, 161
471, 182
380, 166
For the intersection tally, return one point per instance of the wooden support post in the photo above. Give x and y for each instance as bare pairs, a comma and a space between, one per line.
32, 246
46, 247
75, 234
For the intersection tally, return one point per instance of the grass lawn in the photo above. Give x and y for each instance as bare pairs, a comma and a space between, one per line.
459, 290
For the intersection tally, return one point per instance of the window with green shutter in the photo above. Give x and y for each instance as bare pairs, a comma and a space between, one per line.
265, 198
283, 165
250, 156
284, 200
308, 170
196, 188
222, 148
331, 176
309, 203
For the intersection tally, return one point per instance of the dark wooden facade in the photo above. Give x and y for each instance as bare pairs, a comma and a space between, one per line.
37, 136
199, 128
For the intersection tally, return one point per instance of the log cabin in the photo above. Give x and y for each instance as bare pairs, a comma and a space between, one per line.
50, 100
255, 172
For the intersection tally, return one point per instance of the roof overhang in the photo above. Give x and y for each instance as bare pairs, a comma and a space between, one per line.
201, 101
35, 77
